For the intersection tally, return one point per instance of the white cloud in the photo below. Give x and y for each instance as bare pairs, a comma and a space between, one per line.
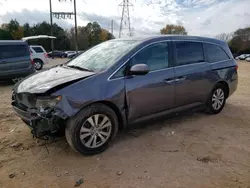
199, 17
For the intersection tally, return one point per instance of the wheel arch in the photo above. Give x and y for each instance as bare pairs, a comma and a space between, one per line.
38, 59
121, 118
226, 86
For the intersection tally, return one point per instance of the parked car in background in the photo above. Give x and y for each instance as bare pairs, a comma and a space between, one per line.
15, 60
248, 59
69, 52
247, 56
242, 57
73, 55
39, 56
124, 81
56, 53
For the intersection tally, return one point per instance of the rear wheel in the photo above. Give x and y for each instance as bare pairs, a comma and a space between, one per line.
38, 64
92, 129
217, 99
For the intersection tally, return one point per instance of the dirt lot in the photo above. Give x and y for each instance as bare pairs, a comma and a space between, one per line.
191, 150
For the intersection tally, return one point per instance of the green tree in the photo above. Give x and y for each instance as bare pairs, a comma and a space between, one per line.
173, 29
27, 30
5, 35
88, 36
240, 43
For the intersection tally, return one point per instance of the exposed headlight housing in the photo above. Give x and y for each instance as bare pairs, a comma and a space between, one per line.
47, 102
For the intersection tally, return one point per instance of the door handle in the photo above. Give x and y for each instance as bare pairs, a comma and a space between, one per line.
169, 80
181, 78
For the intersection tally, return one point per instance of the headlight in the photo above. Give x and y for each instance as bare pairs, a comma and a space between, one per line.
47, 102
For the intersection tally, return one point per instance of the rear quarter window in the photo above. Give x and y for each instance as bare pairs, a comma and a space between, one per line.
215, 53
13, 51
38, 49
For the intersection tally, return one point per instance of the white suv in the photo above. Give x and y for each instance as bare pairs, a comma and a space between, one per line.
39, 56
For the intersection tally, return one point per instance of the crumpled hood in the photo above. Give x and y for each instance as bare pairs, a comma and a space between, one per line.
48, 79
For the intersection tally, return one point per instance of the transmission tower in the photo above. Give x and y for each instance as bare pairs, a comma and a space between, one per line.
125, 19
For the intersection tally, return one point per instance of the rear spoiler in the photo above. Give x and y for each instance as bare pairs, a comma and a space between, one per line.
38, 37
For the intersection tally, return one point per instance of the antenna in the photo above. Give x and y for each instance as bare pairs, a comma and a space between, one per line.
125, 19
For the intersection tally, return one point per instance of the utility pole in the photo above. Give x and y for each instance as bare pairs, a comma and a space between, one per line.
125, 19
68, 15
76, 40
112, 27
51, 26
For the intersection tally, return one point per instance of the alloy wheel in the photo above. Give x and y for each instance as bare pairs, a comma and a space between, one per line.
95, 131
37, 65
218, 99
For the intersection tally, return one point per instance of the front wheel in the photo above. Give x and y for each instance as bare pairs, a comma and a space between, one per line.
217, 99
92, 129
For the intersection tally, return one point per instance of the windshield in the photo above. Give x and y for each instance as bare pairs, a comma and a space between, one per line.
103, 56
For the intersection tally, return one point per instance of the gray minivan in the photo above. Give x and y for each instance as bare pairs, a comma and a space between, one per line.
124, 81
15, 61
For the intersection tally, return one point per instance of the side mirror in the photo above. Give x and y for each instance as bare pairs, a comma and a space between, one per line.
139, 69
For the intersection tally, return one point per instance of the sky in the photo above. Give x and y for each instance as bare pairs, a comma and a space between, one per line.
199, 17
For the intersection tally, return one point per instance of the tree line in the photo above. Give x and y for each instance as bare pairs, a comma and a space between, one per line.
88, 36
92, 34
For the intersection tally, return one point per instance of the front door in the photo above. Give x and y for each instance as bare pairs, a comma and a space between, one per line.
192, 73
153, 92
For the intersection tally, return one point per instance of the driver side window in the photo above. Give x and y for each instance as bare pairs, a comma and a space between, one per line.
155, 56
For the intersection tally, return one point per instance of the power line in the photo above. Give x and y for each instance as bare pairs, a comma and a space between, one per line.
125, 19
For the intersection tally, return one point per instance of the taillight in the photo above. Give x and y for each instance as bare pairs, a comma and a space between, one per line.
32, 62
45, 55
236, 67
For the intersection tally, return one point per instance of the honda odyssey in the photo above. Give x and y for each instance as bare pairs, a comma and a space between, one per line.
124, 81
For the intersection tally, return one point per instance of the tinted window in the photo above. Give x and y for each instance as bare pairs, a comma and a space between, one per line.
189, 52
215, 53
12, 51
38, 49
155, 56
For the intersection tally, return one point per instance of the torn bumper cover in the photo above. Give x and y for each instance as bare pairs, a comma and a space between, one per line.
42, 124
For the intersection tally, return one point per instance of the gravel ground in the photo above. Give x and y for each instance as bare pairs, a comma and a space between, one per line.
190, 150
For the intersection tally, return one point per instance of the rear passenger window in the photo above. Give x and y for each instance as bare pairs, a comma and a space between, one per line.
38, 49
189, 52
12, 51
215, 53
155, 56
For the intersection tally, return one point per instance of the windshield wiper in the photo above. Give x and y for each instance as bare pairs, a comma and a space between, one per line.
79, 68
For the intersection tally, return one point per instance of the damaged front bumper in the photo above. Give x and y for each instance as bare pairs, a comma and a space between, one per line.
42, 124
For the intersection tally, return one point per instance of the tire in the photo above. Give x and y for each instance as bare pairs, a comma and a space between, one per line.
211, 107
38, 64
75, 125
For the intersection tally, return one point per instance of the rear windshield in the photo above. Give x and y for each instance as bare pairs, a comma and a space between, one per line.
13, 51
38, 49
